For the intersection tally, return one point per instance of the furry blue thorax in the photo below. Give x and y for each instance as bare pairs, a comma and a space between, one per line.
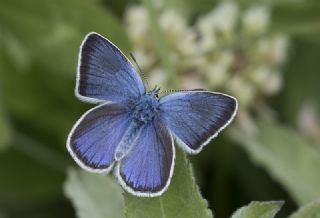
145, 110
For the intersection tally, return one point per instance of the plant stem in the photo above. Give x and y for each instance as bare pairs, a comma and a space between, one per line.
160, 43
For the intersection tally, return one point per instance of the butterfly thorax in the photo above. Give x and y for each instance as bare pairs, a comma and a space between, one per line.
143, 112
145, 109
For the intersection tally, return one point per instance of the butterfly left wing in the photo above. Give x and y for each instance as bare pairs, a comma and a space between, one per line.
148, 167
105, 74
196, 117
93, 139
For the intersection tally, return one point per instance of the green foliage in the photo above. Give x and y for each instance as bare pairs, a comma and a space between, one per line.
5, 131
259, 210
299, 18
39, 43
304, 67
24, 182
288, 157
181, 200
311, 210
270, 209
94, 195
34, 28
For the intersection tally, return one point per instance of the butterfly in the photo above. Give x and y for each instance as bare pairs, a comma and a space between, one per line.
134, 129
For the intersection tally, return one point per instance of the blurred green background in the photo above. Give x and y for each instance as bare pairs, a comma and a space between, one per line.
39, 44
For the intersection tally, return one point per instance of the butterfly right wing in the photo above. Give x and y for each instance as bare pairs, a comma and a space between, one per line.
196, 117
105, 74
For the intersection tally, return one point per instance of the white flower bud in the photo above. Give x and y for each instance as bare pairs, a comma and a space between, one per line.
267, 80
192, 80
279, 49
225, 16
187, 45
220, 21
241, 89
260, 75
256, 19
158, 77
206, 40
217, 72
274, 84
145, 59
263, 48
137, 21
158, 3
173, 26
309, 121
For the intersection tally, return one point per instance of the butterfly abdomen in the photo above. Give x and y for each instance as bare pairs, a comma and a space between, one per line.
127, 140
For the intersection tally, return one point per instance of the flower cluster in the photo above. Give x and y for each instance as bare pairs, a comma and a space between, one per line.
227, 50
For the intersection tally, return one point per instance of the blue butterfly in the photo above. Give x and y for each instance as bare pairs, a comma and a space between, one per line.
133, 128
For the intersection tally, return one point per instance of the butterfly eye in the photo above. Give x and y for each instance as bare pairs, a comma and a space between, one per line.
157, 96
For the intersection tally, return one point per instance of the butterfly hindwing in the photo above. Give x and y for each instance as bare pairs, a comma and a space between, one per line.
195, 117
148, 167
105, 74
93, 139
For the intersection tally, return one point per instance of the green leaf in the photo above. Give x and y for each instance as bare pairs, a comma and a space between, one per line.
94, 195
303, 66
298, 18
259, 210
50, 31
5, 130
5, 126
24, 182
311, 210
3, 215
181, 200
287, 156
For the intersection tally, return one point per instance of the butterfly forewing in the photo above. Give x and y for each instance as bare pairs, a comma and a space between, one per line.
105, 74
195, 117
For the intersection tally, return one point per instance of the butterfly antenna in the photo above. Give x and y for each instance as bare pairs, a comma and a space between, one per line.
143, 75
181, 90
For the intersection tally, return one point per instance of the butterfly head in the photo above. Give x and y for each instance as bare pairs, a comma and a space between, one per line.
154, 92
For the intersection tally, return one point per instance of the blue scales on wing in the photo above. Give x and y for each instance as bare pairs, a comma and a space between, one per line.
195, 117
105, 74
147, 168
94, 138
